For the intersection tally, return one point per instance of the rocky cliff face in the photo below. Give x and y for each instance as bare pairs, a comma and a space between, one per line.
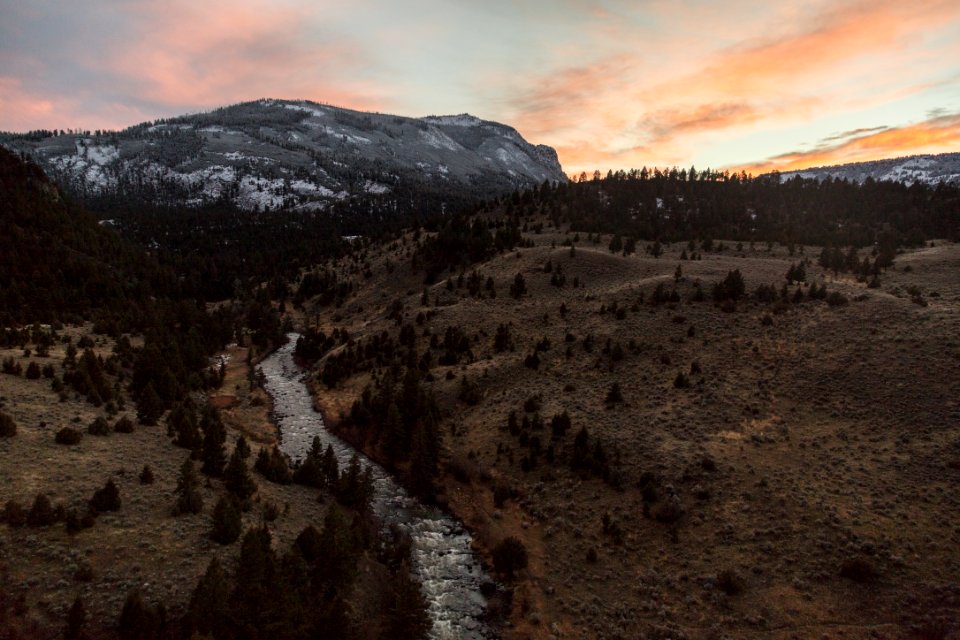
278, 154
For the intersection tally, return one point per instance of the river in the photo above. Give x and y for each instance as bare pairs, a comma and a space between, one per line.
443, 561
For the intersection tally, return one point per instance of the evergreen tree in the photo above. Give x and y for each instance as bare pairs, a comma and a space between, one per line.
237, 479
182, 422
519, 286
76, 618
214, 454
406, 609
139, 621
226, 521
330, 467
149, 407
209, 604
188, 495
310, 471
424, 458
41, 514
243, 448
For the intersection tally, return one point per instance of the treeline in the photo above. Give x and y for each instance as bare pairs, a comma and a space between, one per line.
396, 417
58, 264
680, 205
461, 241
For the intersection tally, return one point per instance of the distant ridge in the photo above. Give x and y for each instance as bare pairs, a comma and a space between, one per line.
291, 154
929, 169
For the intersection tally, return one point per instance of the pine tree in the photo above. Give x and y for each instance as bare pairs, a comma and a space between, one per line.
214, 454
182, 422
150, 406
137, 620
310, 471
406, 610
76, 618
209, 604
238, 481
330, 467
424, 458
519, 286
243, 448
41, 514
188, 495
226, 521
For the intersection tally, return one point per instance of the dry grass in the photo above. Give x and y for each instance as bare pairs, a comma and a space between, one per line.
141, 545
832, 433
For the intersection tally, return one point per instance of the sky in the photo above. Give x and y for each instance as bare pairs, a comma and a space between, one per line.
610, 84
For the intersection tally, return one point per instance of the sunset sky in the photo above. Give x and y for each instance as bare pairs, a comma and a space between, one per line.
613, 84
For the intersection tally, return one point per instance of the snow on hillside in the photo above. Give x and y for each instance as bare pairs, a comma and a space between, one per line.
271, 154
928, 169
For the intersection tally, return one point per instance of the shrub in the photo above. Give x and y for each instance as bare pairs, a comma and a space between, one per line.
106, 499
8, 428
146, 475
33, 371
730, 582
858, 569
123, 425
836, 299
681, 381
69, 436
614, 394
509, 556
14, 514
12, 367
99, 427
462, 469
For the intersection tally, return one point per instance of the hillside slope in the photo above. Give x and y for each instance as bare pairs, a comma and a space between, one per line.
754, 475
56, 262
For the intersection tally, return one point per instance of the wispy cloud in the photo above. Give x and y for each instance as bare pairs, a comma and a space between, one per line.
929, 136
829, 62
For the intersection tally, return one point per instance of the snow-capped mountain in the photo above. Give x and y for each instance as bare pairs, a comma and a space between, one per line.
929, 169
280, 154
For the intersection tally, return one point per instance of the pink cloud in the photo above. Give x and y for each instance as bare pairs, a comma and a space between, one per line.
216, 52
627, 111
934, 135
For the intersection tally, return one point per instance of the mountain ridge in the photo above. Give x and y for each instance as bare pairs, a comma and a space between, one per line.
290, 154
926, 168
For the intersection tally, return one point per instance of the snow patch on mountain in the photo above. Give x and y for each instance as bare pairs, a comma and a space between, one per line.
928, 169
375, 187
439, 140
462, 120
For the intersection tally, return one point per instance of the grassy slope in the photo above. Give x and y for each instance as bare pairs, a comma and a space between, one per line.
832, 433
142, 545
